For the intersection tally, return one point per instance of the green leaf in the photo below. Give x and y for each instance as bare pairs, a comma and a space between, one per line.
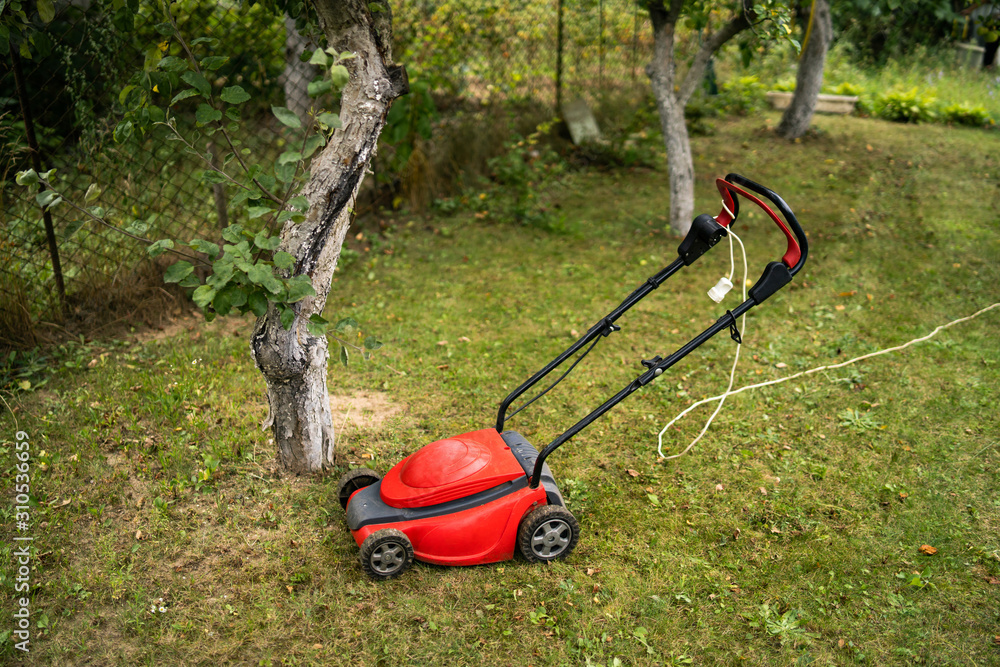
287, 117
289, 157
203, 296
207, 247
346, 325
46, 10
164, 29
183, 95
319, 57
172, 64
372, 343
212, 63
257, 301
123, 95
157, 248
177, 272
265, 242
233, 233
206, 114
300, 202
314, 142
28, 177
283, 260
48, 198
319, 87
331, 120
221, 302
254, 212
339, 76
93, 192
96, 211
138, 227
234, 95
316, 325
190, 281
262, 274
344, 357
299, 288
198, 82
123, 131
287, 316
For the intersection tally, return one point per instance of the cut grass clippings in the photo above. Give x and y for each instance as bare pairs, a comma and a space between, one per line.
796, 531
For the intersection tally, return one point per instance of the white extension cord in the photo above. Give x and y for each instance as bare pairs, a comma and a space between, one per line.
729, 392
716, 294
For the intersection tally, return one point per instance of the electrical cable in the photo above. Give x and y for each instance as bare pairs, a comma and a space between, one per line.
728, 393
736, 358
561, 378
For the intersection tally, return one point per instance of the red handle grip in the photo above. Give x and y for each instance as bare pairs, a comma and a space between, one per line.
792, 254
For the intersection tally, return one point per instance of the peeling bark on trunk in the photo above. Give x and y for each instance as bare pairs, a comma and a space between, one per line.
672, 98
809, 79
293, 361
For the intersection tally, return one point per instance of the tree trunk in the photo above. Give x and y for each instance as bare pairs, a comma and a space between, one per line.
809, 79
296, 76
671, 99
293, 361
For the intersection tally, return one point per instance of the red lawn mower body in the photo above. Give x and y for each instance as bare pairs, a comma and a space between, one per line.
483, 496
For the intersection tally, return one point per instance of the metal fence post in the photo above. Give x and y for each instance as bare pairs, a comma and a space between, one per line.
36, 162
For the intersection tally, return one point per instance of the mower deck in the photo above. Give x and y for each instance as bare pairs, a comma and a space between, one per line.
455, 498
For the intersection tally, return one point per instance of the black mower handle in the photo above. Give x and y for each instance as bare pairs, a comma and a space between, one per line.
706, 231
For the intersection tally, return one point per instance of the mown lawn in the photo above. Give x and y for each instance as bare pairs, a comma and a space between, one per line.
791, 534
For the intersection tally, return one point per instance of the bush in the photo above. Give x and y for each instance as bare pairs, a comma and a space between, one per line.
743, 96
965, 114
911, 106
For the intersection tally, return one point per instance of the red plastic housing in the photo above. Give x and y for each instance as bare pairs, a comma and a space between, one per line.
453, 469
449, 469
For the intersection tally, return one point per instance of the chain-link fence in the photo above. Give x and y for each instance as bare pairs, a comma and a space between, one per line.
473, 65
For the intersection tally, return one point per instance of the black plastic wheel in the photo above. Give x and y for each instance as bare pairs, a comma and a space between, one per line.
547, 533
386, 553
353, 480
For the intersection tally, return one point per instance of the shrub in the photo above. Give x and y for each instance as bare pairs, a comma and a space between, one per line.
965, 114
911, 106
742, 96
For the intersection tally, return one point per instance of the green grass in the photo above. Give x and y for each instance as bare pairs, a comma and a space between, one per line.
791, 533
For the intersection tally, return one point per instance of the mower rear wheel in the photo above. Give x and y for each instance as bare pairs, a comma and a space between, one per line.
353, 480
386, 553
548, 533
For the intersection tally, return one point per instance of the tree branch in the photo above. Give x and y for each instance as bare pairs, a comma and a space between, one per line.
693, 77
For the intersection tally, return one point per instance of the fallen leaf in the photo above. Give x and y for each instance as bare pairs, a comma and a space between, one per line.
718, 487
632, 473
442, 367
573, 333
841, 643
442, 342
317, 646
927, 550
464, 339
781, 364
591, 571
763, 491
993, 581
138, 534
851, 293
839, 306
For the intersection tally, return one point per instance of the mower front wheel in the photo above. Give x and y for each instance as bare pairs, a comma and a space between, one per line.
386, 553
353, 480
547, 533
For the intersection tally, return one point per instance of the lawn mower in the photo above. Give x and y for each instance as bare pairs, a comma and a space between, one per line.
479, 497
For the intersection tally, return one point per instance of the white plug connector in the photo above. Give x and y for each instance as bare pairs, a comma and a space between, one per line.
720, 290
